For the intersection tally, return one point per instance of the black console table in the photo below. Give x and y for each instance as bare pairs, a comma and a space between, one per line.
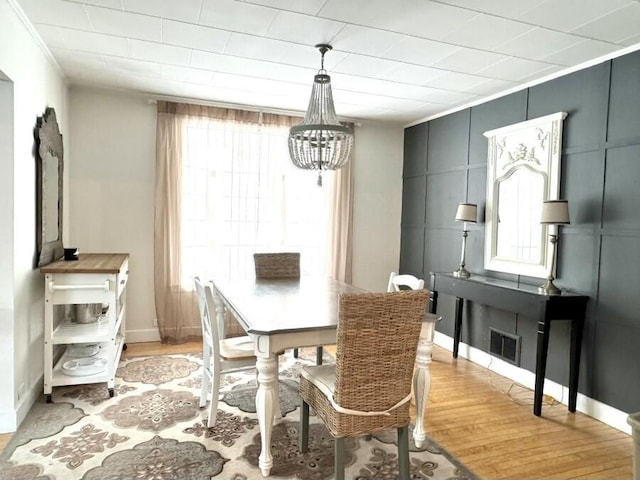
524, 300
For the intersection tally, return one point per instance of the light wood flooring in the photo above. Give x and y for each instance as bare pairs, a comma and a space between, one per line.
486, 421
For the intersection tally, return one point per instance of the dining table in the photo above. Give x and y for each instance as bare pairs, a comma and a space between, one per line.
281, 314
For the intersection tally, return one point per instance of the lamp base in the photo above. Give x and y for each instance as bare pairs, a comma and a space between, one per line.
549, 288
461, 273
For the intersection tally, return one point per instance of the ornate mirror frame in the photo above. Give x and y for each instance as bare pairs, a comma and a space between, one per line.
49, 168
523, 170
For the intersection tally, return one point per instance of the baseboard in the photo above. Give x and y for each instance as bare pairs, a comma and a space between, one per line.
140, 336
595, 409
9, 421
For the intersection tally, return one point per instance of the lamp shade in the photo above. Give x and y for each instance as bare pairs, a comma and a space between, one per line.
467, 212
555, 212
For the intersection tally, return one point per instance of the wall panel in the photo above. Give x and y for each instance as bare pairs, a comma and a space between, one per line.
415, 150
414, 195
616, 366
412, 251
584, 95
448, 141
599, 253
624, 102
619, 301
622, 197
444, 192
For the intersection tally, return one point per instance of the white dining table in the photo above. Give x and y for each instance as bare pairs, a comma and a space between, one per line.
280, 314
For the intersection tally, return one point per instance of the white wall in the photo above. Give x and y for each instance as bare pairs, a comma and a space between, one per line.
6, 248
112, 182
378, 204
37, 84
111, 188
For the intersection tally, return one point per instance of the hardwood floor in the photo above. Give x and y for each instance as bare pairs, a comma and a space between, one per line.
496, 434
487, 423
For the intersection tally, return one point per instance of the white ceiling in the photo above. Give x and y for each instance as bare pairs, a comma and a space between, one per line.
394, 60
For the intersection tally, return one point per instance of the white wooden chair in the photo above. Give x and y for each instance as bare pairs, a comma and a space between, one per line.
219, 355
396, 282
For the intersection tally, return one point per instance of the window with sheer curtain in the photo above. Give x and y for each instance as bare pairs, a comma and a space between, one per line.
225, 189
242, 195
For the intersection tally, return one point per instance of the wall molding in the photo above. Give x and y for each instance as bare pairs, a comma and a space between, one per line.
533, 83
600, 411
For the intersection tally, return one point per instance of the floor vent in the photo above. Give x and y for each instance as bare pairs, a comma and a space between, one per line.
505, 345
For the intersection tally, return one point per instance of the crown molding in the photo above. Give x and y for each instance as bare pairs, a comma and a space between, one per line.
524, 86
36, 36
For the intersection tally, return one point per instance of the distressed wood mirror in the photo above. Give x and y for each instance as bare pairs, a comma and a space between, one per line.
523, 170
49, 168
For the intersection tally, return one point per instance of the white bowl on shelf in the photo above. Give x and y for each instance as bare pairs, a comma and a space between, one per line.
80, 350
80, 367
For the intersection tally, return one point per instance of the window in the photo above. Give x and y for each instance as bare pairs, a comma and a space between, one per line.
241, 195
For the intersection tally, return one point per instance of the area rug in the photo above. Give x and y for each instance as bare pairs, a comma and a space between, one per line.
153, 429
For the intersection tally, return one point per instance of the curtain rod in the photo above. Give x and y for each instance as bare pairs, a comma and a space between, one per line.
251, 108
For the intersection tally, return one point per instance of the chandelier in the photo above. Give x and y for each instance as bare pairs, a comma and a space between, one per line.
320, 142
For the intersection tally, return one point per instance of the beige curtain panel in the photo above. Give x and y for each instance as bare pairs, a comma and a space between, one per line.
176, 308
341, 229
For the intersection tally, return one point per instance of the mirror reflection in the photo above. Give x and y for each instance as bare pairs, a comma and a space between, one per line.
50, 199
519, 233
523, 170
49, 168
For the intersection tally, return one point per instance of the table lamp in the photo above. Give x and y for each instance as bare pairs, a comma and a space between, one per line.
467, 212
554, 212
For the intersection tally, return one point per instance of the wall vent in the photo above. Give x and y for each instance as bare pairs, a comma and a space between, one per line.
505, 346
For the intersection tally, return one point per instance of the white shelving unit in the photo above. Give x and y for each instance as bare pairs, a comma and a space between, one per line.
94, 278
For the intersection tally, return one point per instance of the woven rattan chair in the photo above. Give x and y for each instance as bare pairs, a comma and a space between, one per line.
369, 387
281, 265
220, 356
277, 265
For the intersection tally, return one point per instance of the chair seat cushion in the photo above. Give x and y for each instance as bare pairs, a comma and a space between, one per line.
236, 348
322, 376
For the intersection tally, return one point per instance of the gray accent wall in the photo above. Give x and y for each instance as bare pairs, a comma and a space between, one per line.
445, 163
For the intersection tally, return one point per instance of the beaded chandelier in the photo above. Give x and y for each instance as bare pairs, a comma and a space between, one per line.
320, 142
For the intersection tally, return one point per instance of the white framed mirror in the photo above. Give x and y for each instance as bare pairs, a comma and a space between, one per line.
523, 170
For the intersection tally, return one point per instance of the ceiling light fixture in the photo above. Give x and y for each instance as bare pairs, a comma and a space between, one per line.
320, 142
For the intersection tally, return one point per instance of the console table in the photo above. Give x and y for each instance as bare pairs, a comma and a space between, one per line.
524, 300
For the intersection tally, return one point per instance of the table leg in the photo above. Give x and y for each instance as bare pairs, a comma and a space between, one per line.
574, 365
422, 379
457, 326
266, 404
541, 364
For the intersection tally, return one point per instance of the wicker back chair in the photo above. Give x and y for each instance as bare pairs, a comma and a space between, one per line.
369, 387
277, 265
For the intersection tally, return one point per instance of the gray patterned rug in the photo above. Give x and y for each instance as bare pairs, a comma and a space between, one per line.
154, 429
